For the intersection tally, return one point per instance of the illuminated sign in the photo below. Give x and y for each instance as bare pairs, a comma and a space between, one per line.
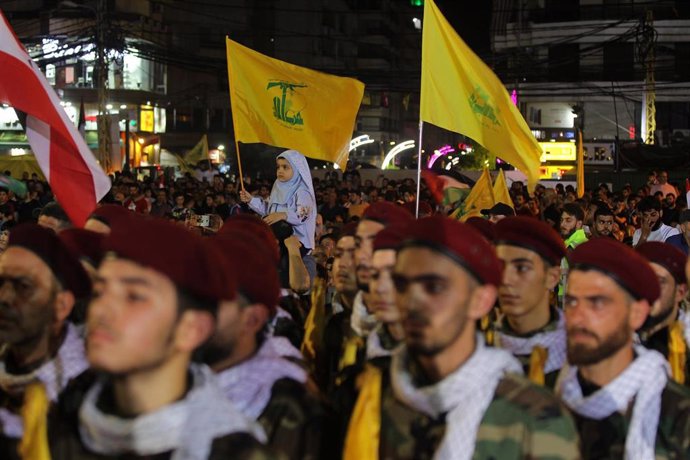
558, 151
146, 118
359, 141
395, 151
555, 172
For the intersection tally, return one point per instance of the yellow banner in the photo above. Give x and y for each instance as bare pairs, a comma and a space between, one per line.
288, 106
580, 165
501, 192
460, 93
481, 197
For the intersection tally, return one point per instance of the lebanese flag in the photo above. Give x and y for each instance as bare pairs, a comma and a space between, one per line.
76, 178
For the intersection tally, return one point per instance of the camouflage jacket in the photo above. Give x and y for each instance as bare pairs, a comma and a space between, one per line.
296, 422
605, 439
66, 444
523, 421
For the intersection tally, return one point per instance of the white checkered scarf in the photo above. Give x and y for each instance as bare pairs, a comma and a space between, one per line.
186, 427
69, 362
374, 347
361, 321
249, 384
553, 341
642, 381
464, 395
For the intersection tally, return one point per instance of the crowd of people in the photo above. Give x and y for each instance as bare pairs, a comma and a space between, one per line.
204, 318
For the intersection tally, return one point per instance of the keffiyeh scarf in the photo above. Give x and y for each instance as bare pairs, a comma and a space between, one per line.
642, 381
464, 395
186, 427
553, 341
69, 362
248, 384
361, 321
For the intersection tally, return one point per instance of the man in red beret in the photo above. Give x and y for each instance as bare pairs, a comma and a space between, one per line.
255, 370
624, 403
445, 394
664, 328
152, 308
531, 328
40, 282
362, 321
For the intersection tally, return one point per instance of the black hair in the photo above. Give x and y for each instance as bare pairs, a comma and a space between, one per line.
575, 210
648, 203
603, 210
53, 209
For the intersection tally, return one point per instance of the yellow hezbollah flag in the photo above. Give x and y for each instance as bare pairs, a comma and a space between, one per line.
460, 93
580, 165
289, 106
481, 197
501, 193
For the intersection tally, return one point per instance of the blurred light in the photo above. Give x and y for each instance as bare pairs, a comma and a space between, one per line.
68, 104
335, 165
445, 150
221, 147
360, 140
140, 140
17, 152
395, 151
123, 106
392, 142
109, 107
417, 23
513, 97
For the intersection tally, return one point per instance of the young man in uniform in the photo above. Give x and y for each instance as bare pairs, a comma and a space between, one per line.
623, 400
40, 282
531, 327
152, 308
445, 394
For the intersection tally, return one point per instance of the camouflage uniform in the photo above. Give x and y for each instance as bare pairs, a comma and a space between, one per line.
605, 439
522, 421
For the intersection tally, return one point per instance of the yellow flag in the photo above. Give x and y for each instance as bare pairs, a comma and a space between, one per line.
460, 93
285, 105
34, 443
580, 165
198, 153
481, 197
501, 193
364, 429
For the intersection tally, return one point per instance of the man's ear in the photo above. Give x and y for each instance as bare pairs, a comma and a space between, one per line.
64, 303
553, 276
254, 317
193, 329
482, 300
639, 310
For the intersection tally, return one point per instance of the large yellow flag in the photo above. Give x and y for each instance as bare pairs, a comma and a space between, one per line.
501, 193
580, 165
285, 105
198, 153
460, 93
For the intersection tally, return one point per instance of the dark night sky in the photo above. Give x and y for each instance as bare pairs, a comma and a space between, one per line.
471, 19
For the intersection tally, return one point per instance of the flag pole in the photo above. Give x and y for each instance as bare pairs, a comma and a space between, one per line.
234, 121
419, 166
239, 163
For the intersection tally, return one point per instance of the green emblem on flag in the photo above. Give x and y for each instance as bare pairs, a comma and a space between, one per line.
479, 102
284, 108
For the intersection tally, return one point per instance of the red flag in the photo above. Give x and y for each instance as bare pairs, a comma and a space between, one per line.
71, 169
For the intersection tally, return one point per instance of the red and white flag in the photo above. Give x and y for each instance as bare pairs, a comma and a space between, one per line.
76, 178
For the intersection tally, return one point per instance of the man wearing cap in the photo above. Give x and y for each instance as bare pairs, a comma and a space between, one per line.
363, 320
152, 308
40, 282
664, 328
498, 212
445, 394
531, 328
255, 371
623, 400
681, 240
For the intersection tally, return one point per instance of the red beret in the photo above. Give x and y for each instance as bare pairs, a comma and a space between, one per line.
484, 226
666, 255
622, 263
530, 233
461, 243
349, 229
387, 213
83, 243
171, 250
390, 237
110, 214
255, 225
46, 244
256, 274
424, 208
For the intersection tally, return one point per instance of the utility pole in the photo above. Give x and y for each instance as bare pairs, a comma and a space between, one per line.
102, 82
649, 95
